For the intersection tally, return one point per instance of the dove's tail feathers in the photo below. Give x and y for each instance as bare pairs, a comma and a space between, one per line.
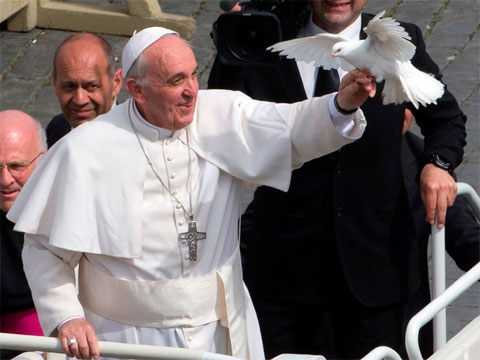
393, 92
417, 87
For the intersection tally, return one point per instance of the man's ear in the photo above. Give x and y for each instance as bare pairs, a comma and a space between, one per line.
134, 90
52, 80
117, 82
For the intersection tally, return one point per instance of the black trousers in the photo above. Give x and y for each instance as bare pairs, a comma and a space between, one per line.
341, 330
340, 327
335, 324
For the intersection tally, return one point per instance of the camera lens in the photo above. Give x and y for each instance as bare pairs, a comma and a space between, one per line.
244, 38
251, 38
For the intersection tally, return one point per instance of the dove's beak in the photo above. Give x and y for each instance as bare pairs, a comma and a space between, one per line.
332, 55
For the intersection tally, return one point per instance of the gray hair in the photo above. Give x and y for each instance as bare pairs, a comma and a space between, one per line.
42, 136
139, 70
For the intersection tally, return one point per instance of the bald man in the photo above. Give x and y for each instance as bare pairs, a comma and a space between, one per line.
22, 144
85, 81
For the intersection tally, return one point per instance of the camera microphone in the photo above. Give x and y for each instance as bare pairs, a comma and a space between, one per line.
227, 5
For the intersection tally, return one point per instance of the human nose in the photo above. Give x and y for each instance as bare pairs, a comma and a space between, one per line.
80, 97
5, 177
192, 87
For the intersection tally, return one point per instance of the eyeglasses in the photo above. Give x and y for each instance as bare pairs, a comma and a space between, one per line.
16, 168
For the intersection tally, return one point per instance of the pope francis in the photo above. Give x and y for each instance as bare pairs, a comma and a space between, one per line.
146, 200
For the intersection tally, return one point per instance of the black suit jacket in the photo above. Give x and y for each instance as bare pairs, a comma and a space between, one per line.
15, 292
345, 213
57, 128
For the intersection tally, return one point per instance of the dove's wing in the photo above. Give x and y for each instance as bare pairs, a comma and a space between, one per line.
316, 49
388, 38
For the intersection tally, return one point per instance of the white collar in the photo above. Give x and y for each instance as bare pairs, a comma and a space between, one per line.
145, 128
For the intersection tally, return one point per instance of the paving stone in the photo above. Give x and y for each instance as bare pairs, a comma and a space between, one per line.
422, 13
13, 46
16, 92
459, 17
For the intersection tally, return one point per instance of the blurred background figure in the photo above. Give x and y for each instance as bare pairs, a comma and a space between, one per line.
22, 144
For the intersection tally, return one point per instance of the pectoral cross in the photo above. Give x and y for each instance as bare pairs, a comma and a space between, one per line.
191, 237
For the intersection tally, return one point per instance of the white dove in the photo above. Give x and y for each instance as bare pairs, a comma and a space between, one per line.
385, 54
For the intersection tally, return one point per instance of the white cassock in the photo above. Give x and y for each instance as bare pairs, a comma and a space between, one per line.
94, 200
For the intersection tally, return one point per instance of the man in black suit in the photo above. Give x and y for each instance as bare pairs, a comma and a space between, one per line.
336, 246
85, 81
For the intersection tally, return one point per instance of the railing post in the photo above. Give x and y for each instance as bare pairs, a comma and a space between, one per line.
438, 285
439, 268
429, 311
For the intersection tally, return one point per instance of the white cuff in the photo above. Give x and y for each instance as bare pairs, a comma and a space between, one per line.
343, 123
67, 320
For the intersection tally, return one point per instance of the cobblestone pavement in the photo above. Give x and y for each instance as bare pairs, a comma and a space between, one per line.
451, 31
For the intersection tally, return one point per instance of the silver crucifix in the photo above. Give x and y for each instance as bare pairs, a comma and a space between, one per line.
191, 237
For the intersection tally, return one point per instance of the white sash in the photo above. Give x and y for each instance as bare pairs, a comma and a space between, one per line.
170, 303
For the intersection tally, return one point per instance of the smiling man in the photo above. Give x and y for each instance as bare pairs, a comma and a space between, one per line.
85, 81
146, 199
22, 143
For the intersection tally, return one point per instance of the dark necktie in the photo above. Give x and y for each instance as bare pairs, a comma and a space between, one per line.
327, 82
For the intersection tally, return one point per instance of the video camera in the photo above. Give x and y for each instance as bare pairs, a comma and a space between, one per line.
242, 37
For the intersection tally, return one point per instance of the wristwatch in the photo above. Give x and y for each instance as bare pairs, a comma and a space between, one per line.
441, 163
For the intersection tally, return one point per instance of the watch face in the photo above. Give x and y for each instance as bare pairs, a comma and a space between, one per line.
442, 164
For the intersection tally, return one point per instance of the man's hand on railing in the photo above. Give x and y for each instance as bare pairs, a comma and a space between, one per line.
79, 340
438, 190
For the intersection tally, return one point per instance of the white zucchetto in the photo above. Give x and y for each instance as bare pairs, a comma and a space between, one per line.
139, 42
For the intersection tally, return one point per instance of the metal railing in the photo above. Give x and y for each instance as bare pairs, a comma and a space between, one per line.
441, 297
108, 349
382, 353
439, 268
433, 308
127, 351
